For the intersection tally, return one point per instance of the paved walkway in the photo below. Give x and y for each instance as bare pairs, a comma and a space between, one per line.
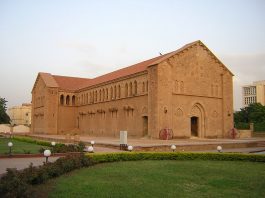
21, 163
103, 144
148, 142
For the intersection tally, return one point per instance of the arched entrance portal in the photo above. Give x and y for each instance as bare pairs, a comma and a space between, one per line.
145, 125
194, 126
197, 121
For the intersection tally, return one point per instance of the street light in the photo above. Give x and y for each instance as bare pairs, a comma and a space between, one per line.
92, 143
130, 148
219, 149
53, 143
90, 149
47, 154
10, 144
173, 147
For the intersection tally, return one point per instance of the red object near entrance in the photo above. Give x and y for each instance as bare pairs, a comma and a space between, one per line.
166, 134
233, 133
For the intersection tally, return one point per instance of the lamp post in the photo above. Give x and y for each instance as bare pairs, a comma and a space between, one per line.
219, 149
47, 154
130, 148
10, 144
90, 149
173, 147
92, 143
53, 145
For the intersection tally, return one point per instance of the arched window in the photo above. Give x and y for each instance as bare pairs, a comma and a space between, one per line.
103, 95
119, 91
126, 90
73, 100
99, 95
115, 92
146, 85
107, 94
62, 99
143, 89
111, 93
130, 89
135, 88
96, 96
67, 100
86, 98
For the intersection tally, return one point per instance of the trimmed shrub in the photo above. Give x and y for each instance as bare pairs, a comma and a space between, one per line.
242, 125
101, 158
58, 148
19, 183
259, 127
30, 140
12, 184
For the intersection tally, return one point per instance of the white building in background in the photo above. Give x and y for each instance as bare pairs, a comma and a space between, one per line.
254, 93
20, 115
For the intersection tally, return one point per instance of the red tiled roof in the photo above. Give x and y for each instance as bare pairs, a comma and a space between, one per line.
70, 83
139, 67
48, 79
73, 83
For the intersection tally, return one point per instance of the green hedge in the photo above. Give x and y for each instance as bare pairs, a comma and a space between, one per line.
242, 125
113, 157
20, 183
30, 140
259, 127
58, 148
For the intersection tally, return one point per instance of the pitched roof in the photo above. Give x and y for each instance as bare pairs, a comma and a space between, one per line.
48, 79
73, 83
136, 68
70, 83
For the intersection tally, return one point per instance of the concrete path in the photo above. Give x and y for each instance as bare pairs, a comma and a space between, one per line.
21, 163
115, 141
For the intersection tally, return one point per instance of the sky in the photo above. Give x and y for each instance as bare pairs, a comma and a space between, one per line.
88, 38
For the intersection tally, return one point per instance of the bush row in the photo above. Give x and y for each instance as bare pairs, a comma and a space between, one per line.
259, 127
20, 183
30, 140
58, 148
242, 125
113, 157
63, 148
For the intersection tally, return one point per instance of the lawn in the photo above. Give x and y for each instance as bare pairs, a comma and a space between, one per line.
19, 147
161, 179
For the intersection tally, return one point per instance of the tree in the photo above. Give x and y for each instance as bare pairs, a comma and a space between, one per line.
254, 113
4, 118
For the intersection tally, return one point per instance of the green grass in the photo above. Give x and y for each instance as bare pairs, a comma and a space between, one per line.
19, 147
162, 179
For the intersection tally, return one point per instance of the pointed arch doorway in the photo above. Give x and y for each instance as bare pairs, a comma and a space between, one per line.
194, 126
197, 121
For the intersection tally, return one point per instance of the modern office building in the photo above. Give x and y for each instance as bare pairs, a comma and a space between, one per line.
254, 93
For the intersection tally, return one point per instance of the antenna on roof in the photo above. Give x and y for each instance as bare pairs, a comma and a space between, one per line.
160, 53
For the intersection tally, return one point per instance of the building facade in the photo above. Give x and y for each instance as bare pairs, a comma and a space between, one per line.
188, 91
254, 93
20, 115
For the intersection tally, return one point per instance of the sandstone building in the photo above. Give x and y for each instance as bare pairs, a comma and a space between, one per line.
188, 90
254, 93
20, 115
